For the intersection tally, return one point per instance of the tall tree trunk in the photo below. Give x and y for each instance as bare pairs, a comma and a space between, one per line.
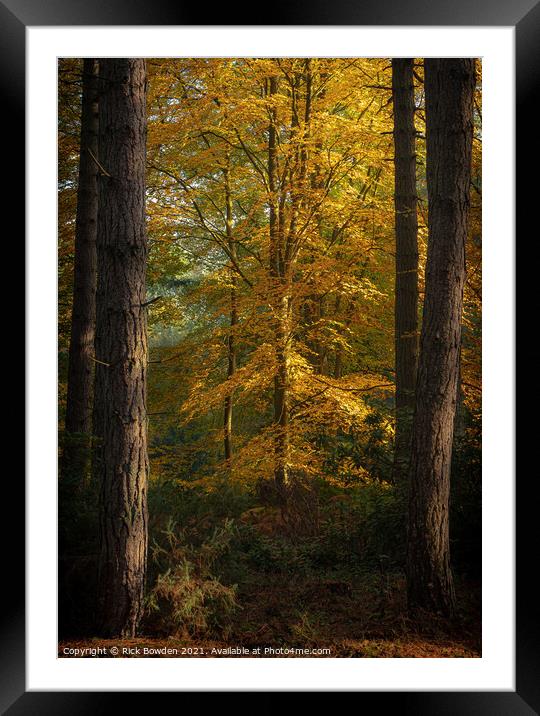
280, 302
449, 86
406, 282
281, 395
80, 391
233, 322
121, 347
338, 353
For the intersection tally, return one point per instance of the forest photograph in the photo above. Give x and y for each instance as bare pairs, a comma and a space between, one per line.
269, 357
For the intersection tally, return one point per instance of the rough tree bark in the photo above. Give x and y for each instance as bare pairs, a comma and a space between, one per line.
121, 347
80, 391
449, 86
406, 281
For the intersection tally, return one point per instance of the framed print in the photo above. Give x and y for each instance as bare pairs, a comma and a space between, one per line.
261, 563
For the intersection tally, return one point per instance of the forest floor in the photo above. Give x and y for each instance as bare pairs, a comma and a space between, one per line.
363, 616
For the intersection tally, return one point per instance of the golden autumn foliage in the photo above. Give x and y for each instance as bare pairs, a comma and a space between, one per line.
210, 198
273, 508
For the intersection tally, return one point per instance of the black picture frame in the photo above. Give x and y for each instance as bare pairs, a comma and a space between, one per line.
524, 16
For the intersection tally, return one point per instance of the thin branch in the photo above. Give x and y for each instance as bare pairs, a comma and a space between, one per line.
152, 300
103, 171
353, 390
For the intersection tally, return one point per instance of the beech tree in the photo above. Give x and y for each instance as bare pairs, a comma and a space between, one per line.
80, 390
449, 87
278, 189
233, 316
406, 282
268, 271
121, 347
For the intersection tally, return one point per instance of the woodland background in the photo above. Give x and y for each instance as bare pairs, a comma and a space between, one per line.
277, 490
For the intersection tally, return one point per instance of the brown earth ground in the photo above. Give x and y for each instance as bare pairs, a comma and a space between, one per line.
360, 617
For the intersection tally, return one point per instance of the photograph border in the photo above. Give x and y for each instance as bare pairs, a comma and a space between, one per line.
15, 16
